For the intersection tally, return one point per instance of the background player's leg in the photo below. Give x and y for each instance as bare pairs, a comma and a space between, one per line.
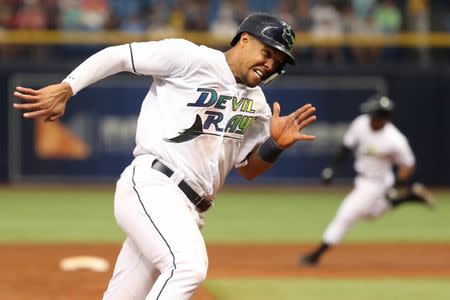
349, 212
156, 216
415, 193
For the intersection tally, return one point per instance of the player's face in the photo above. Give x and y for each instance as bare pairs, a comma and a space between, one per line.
377, 123
258, 61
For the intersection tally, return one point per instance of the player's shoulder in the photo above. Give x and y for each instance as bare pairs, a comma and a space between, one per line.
395, 132
201, 53
361, 121
197, 49
179, 44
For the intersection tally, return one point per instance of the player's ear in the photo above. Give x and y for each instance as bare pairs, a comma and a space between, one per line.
245, 37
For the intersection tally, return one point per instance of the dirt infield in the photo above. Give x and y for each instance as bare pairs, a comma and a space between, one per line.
32, 271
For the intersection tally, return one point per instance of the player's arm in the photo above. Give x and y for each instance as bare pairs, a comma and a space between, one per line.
284, 132
341, 155
404, 174
50, 102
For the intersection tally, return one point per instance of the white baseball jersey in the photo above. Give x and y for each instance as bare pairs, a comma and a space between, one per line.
195, 117
377, 151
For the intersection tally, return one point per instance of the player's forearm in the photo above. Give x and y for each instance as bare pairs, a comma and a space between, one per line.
404, 173
261, 159
104, 63
341, 155
254, 167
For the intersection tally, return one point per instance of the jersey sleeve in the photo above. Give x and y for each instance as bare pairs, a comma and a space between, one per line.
170, 57
102, 64
404, 155
351, 135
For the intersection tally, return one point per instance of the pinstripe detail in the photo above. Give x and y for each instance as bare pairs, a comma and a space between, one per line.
132, 60
167, 244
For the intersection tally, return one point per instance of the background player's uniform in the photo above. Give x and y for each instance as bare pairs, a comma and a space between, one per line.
197, 121
375, 154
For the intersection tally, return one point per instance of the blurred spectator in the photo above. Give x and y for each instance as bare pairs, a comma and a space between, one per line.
387, 17
327, 26
240, 10
31, 15
303, 20
327, 20
285, 10
363, 8
132, 23
224, 24
176, 19
158, 16
70, 14
418, 20
94, 14
123, 9
388, 20
6, 16
196, 14
51, 9
360, 26
418, 17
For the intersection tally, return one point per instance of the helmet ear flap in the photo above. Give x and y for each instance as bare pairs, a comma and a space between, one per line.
280, 71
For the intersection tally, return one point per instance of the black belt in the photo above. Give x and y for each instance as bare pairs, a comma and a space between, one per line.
201, 204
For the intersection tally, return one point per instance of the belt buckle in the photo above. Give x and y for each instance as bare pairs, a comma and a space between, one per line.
204, 197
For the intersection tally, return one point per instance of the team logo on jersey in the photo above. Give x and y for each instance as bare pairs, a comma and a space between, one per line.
188, 134
214, 123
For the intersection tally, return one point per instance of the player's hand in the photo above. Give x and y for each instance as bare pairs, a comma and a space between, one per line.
287, 130
327, 175
49, 102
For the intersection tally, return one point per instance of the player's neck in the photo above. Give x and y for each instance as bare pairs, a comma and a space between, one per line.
230, 57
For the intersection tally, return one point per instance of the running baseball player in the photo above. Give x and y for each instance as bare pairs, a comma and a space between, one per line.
377, 145
203, 114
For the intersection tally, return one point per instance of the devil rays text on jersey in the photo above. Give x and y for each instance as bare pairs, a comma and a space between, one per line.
214, 123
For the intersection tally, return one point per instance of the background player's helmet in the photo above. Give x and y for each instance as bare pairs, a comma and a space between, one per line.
380, 106
273, 32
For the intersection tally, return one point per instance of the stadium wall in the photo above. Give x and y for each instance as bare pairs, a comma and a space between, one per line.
100, 124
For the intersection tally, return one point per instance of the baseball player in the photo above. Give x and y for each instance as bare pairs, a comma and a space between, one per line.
203, 114
377, 145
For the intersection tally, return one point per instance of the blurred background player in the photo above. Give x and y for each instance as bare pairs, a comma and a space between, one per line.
378, 146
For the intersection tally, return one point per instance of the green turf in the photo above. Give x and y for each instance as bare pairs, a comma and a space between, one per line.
87, 216
294, 217
57, 216
330, 289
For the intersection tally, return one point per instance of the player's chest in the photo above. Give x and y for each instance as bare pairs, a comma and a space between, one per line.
379, 146
224, 111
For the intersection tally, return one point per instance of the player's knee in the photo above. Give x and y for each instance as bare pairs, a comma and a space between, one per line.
196, 273
347, 219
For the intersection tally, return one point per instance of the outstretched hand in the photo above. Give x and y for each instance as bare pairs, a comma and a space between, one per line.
286, 130
49, 102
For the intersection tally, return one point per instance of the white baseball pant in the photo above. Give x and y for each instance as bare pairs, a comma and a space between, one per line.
367, 200
164, 255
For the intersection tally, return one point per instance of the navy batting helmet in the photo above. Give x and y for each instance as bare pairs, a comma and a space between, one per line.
378, 106
271, 30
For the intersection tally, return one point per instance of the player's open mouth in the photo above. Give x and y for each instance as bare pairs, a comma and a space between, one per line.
259, 73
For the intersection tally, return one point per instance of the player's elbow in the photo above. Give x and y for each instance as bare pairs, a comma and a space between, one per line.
246, 173
249, 177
